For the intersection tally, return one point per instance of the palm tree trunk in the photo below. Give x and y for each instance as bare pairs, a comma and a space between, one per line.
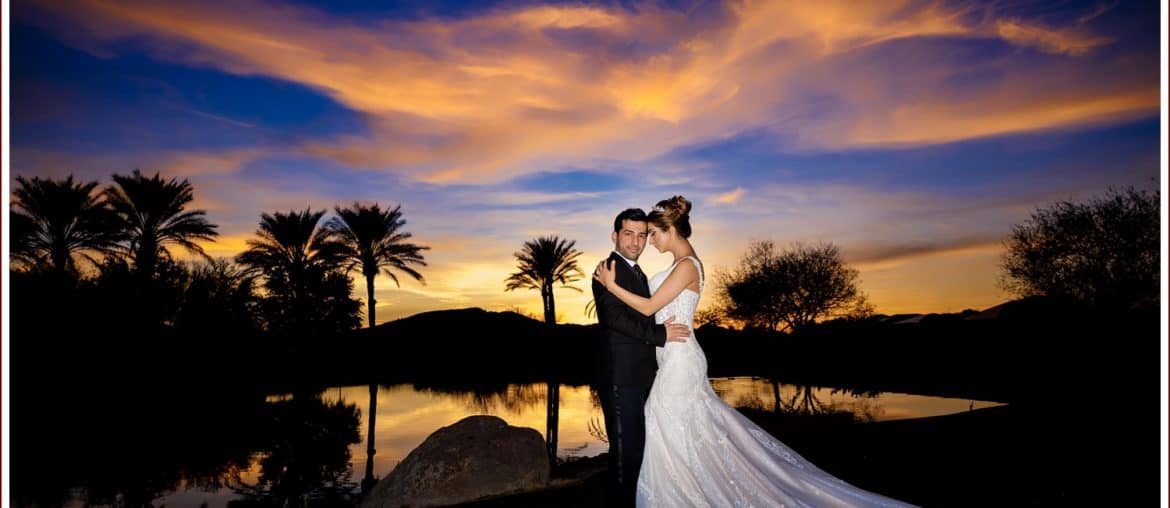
369, 480
60, 260
146, 258
370, 298
546, 296
553, 409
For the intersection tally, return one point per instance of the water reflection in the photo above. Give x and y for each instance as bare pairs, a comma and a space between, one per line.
369, 480
552, 409
796, 400
511, 398
309, 449
407, 415
769, 395
304, 456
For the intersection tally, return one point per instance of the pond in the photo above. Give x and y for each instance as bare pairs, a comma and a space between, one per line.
405, 416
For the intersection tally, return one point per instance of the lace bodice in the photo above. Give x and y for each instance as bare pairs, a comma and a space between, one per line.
683, 306
682, 366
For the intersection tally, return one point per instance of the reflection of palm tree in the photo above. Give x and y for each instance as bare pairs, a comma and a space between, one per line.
368, 480
53, 221
552, 423
307, 453
152, 214
371, 241
543, 262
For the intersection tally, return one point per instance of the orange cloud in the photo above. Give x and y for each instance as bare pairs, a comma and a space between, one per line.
942, 121
499, 94
186, 164
879, 258
1070, 42
728, 198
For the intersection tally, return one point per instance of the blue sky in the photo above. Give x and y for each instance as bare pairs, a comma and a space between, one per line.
911, 134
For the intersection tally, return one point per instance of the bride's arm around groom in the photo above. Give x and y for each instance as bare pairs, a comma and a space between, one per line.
683, 276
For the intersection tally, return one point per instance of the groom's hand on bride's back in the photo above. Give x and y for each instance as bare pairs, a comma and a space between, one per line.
676, 332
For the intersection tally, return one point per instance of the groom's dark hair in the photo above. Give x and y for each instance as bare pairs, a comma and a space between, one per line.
634, 214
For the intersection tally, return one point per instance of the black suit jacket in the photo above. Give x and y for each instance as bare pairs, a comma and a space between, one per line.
628, 339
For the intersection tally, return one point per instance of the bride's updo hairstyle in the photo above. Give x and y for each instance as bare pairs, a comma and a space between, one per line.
676, 212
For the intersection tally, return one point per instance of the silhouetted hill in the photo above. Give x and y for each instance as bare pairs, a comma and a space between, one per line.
469, 318
462, 347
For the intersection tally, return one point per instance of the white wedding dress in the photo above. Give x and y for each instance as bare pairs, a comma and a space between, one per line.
701, 452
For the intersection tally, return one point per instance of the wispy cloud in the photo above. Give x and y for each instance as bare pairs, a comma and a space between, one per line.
728, 198
880, 254
212, 116
1069, 42
782, 120
99, 166
496, 95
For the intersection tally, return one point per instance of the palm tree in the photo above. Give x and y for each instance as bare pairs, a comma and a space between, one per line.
54, 221
295, 257
372, 242
291, 244
545, 261
152, 214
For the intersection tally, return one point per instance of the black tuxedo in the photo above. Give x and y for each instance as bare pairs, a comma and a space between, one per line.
626, 366
628, 338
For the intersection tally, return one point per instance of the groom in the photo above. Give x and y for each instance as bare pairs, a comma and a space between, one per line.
627, 364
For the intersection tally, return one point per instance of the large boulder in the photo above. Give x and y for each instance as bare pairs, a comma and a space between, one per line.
478, 456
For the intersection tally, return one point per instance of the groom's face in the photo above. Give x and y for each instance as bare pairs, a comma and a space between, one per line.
631, 239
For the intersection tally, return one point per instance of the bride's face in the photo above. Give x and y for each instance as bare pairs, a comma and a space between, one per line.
659, 238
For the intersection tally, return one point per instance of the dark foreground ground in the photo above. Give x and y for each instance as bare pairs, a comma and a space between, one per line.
1000, 456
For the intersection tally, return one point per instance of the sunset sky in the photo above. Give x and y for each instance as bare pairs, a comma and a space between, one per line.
913, 135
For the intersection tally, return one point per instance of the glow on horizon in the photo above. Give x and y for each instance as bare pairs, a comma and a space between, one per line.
913, 135
950, 280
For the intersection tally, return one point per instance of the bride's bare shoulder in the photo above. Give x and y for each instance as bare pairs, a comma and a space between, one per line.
686, 269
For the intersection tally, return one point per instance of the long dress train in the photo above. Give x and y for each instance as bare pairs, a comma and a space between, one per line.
702, 452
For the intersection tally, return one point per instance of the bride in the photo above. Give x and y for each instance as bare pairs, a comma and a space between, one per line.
699, 451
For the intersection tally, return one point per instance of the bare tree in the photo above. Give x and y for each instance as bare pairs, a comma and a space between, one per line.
789, 290
1102, 252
